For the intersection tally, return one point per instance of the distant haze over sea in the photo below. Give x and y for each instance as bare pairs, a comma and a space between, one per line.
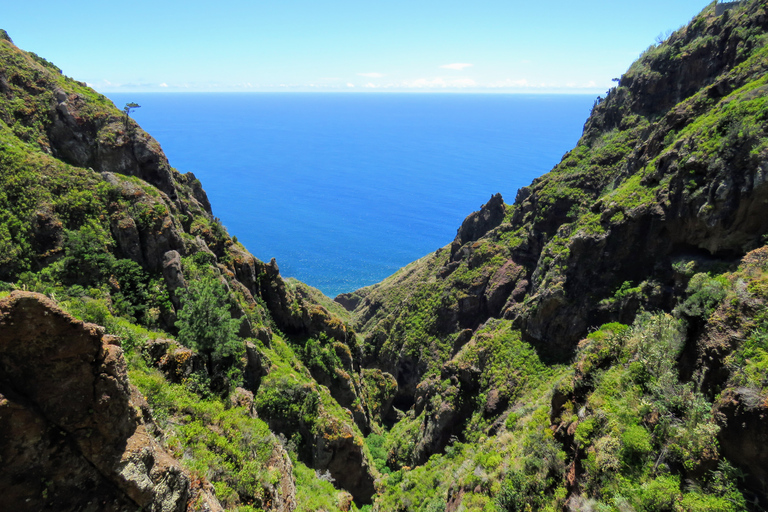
344, 189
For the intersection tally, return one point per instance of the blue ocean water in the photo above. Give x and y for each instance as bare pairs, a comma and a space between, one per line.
344, 189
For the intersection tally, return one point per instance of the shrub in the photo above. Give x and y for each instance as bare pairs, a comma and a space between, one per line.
584, 431
704, 294
520, 492
661, 494
205, 324
319, 355
636, 442
87, 258
375, 444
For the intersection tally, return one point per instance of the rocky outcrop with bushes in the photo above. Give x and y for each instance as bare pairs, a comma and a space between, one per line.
669, 175
77, 435
598, 344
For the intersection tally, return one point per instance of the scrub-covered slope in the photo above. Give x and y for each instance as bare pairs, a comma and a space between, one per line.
664, 192
93, 216
600, 344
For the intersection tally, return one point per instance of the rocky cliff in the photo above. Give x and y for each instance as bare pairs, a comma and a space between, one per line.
94, 215
671, 165
599, 344
76, 434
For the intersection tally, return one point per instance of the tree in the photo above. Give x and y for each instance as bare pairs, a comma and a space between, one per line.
130, 107
205, 324
127, 109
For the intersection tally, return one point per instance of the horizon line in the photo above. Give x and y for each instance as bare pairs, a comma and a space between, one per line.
530, 93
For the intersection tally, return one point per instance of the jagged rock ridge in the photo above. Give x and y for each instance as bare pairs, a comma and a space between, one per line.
671, 167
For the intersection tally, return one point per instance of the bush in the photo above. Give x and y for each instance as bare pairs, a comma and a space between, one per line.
636, 442
661, 494
319, 355
704, 294
520, 492
87, 259
584, 431
205, 324
375, 444
294, 403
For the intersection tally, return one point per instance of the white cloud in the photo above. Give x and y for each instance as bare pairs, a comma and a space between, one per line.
510, 83
371, 75
457, 66
163, 84
350, 85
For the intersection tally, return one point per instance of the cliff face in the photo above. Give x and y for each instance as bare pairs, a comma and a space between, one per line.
93, 214
670, 170
77, 435
598, 344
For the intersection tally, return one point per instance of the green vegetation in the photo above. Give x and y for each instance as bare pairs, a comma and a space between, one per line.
590, 351
205, 324
225, 445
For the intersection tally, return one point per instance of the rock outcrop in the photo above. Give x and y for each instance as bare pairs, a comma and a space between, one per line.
671, 166
77, 435
481, 222
743, 438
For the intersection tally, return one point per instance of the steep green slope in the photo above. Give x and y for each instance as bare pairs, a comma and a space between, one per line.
600, 344
665, 187
93, 216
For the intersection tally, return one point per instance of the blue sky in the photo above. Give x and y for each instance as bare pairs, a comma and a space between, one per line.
344, 45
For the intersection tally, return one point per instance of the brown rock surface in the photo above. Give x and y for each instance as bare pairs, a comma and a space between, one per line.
743, 438
173, 276
79, 437
479, 223
283, 492
335, 449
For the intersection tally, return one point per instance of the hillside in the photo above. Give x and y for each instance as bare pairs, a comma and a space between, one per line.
654, 208
95, 218
599, 344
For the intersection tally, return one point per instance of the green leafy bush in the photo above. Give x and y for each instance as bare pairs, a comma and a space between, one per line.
636, 442
206, 325
704, 292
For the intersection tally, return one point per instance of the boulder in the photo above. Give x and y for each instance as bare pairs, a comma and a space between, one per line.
173, 276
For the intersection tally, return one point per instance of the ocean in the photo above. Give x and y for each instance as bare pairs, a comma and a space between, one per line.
345, 189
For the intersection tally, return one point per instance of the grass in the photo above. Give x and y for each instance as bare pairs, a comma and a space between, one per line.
223, 445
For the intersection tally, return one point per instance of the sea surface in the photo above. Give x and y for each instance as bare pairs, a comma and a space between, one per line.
344, 189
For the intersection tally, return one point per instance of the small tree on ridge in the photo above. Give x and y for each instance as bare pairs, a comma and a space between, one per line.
127, 109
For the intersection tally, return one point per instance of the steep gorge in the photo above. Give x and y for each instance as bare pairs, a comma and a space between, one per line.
649, 183
598, 344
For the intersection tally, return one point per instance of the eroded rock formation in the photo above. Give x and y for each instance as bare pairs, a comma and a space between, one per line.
78, 436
